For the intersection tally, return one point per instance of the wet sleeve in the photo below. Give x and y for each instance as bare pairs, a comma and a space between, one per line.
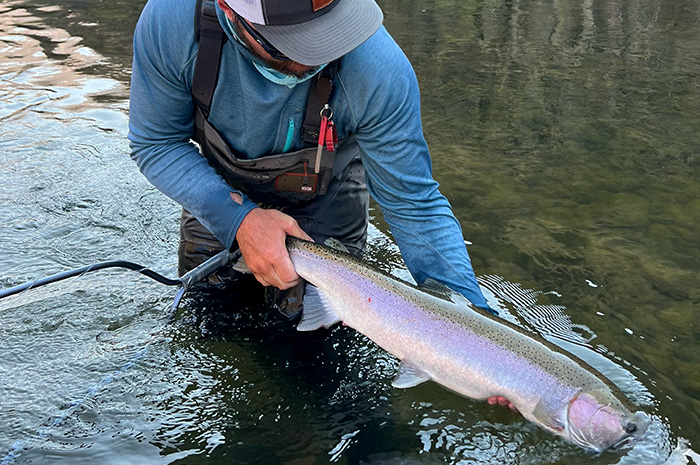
161, 122
399, 173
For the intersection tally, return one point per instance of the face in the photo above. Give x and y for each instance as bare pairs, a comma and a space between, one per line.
287, 67
598, 421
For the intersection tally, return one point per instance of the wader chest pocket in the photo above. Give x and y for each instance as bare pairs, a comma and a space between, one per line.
303, 183
276, 180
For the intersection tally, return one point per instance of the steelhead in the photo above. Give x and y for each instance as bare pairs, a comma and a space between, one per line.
439, 335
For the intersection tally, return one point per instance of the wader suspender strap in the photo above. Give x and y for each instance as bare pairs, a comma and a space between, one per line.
322, 88
211, 39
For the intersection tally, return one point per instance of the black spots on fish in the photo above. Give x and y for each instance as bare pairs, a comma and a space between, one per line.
524, 344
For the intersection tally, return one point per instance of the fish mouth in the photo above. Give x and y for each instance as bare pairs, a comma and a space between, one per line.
624, 442
634, 429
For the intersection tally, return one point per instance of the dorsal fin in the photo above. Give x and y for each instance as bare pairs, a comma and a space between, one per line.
438, 289
435, 287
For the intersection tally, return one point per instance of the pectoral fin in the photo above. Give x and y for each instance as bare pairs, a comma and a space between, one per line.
409, 376
317, 311
544, 416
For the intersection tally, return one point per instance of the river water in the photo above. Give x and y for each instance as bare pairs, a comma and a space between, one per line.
565, 134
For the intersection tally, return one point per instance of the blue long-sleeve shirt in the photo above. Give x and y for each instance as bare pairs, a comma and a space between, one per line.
376, 98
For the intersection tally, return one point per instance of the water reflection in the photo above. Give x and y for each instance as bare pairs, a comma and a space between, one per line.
104, 26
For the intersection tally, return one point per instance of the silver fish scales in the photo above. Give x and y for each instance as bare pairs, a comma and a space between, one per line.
439, 335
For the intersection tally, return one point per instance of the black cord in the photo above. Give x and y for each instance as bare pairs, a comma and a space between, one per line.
94, 267
187, 280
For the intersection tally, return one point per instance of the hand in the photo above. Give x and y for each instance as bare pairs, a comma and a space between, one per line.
261, 238
501, 401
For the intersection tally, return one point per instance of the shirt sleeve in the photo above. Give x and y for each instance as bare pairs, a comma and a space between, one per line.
161, 121
399, 172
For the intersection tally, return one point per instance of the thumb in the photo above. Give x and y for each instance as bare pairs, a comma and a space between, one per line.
296, 231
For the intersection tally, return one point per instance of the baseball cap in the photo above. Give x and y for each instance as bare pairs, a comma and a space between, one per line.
312, 32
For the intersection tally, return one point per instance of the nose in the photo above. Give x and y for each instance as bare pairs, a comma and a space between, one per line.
631, 428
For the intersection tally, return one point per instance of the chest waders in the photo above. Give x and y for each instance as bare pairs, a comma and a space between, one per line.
330, 203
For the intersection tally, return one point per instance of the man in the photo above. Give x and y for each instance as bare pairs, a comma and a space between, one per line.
256, 116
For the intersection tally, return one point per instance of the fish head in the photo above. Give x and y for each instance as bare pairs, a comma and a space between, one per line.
597, 420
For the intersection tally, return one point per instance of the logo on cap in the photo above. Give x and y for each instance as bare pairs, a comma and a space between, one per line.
320, 4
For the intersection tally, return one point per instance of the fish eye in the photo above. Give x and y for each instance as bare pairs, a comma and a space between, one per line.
631, 428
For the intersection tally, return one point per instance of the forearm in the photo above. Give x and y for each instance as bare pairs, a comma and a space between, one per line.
161, 125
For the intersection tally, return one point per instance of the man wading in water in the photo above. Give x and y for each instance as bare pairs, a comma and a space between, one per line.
302, 109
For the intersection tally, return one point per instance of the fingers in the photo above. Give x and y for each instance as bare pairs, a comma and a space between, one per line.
283, 275
261, 238
502, 401
273, 279
274, 270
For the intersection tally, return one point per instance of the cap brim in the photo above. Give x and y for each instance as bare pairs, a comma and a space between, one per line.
329, 36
